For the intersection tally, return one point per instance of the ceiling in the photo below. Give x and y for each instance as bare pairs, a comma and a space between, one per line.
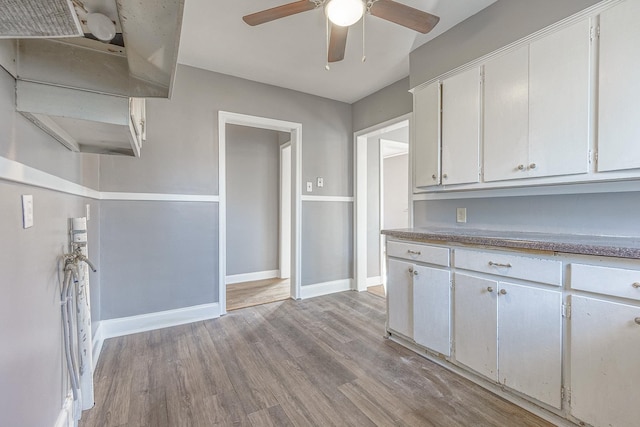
291, 52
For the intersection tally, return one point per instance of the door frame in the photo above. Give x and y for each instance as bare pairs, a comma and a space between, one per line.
360, 139
295, 129
284, 247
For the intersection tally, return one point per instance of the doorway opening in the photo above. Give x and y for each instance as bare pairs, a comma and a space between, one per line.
259, 215
383, 196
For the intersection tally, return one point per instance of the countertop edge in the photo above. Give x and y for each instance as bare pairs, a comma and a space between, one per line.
530, 244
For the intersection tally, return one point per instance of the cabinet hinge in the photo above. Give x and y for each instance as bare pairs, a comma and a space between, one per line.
590, 156
562, 393
592, 33
598, 31
566, 311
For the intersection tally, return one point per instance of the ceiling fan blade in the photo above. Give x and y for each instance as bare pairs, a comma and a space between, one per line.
279, 12
337, 43
406, 16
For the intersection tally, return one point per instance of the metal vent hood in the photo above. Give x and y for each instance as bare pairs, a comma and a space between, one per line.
73, 87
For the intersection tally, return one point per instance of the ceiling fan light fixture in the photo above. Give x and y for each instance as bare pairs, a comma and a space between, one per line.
344, 12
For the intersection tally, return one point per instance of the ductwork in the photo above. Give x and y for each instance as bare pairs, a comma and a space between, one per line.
139, 63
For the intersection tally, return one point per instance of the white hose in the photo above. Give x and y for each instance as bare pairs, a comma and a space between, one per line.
67, 302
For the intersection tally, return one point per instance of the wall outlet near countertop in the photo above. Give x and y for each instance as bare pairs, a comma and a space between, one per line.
461, 214
309, 186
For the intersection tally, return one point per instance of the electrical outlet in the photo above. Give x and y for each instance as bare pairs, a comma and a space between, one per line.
320, 182
27, 210
309, 186
461, 214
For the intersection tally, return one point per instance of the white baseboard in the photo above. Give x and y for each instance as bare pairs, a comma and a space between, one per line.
319, 289
98, 340
163, 319
65, 418
374, 281
250, 277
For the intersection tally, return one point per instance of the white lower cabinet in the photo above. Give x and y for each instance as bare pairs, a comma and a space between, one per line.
432, 308
399, 297
511, 334
605, 362
476, 324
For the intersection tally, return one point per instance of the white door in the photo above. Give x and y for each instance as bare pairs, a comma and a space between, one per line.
530, 341
432, 309
426, 136
605, 362
461, 128
476, 324
399, 297
506, 116
619, 88
559, 92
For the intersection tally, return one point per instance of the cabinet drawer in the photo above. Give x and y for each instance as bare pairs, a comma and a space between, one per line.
419, 253
520, 267
605, 280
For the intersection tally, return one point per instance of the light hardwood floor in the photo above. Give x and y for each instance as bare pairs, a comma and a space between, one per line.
377, 290
248, 294
317, 362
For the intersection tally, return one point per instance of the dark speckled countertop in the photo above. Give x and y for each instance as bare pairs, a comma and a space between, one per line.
621, 247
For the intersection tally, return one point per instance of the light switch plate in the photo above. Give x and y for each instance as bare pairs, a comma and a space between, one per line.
320, 182
27, 211
461, 214
309, 186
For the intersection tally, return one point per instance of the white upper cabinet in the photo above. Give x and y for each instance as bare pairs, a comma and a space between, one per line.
559, 93
426, 145
536, 108
461, 128
619, 88
506, 116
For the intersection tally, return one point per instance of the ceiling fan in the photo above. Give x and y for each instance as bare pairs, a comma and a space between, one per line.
343, 13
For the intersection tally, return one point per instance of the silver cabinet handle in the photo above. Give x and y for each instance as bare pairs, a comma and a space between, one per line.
489, 289
415, 272
520, 167
636, 285
532, 166
497, 264
503, 291
445, 176
637, 320
410, 269
413, 252
433, 176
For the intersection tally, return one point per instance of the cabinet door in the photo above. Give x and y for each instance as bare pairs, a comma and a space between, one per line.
605, 366
619, 88
476, 324
530, 341
426, 137
506, 116
559, 92
461, 128
399, 297
432, 309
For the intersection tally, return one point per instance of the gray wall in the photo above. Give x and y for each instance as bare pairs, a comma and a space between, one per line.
373, 207
32, 385
386, 104
181, 152
612, 214
500, 24
157, 256
181, 156
253, 202
396, 192
327, 243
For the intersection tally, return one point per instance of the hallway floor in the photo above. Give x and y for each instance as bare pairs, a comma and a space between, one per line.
249, 294
316, 362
